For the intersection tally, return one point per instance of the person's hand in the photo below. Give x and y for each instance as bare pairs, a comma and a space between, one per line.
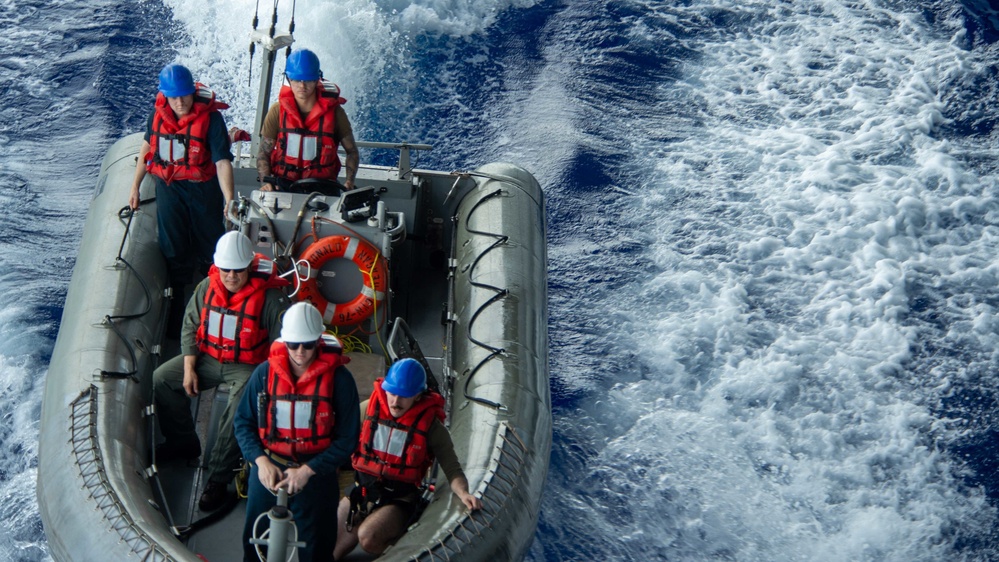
295, 479
471, 502
459, 485
268, 473
133, 198
225, 211
349, 184
238, 135
190, 381
267, 187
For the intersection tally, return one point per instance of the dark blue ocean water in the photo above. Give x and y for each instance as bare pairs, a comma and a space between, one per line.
773, 230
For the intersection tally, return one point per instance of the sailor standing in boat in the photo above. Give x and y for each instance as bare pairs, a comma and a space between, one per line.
302, 131
229, 324
402, 433
297, 422
187, 149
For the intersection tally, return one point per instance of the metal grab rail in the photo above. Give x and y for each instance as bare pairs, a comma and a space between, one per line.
404, 166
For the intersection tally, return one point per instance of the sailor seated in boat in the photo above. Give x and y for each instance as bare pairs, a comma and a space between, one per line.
297, 422
229, 324
302, 131
401, 435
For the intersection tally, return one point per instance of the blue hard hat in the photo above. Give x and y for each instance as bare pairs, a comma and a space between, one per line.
176, 81
405, 378
303, 64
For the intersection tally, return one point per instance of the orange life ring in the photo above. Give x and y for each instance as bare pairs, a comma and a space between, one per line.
373, 271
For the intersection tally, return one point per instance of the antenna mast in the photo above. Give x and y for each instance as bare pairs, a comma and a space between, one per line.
270, 42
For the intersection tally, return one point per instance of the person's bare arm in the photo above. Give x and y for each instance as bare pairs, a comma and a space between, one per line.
226, 182
190, 375
459, 485
140, 173
264, 162
353, 160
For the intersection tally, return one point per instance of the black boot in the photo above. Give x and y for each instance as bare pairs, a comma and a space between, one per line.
215, 494
175, 316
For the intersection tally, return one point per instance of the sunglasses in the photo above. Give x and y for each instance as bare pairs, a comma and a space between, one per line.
307, 346
224, 270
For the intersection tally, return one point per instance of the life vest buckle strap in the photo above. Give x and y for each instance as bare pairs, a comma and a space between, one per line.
362, 500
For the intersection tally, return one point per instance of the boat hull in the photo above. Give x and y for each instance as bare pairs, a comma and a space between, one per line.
95, 494
92, 494
504, 450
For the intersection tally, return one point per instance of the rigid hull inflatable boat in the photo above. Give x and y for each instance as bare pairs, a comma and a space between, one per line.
448, 268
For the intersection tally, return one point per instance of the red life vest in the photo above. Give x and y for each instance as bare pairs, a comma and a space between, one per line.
307, 150
178, 148
397, 448
295, 416
231, 329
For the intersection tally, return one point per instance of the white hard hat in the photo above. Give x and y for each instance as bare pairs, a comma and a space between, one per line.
233, 251
302, 323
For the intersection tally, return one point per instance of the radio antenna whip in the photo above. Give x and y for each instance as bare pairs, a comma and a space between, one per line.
274, 20
270, 42
253, 44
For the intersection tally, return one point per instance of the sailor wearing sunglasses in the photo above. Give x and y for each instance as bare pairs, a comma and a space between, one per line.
229, 324
298, 421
